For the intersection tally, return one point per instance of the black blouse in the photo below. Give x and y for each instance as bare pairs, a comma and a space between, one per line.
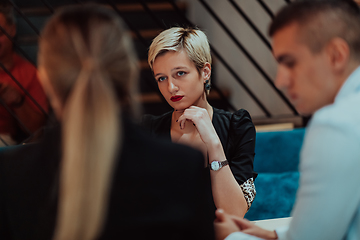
237, 135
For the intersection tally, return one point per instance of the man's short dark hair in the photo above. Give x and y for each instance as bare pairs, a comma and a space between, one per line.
7, 9
320, 21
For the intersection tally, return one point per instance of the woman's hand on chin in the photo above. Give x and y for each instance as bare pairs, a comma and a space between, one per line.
202, 121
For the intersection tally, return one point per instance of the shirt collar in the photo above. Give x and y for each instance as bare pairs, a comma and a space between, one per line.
351, 85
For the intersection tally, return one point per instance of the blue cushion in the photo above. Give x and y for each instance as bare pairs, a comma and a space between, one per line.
276, 161
278, 152
275, 195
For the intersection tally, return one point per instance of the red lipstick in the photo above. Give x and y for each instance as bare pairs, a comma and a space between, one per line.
176, 98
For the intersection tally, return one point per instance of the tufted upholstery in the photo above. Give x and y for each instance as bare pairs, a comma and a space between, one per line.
276, 162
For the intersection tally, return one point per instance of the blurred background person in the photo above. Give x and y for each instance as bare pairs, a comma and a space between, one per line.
317, 46
96, 175
29, 117
181, 63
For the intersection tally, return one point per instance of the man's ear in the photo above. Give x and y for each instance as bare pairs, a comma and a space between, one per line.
207, 71
339, 54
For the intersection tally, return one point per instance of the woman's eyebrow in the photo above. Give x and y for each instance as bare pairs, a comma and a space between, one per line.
172, 70
177, 68
158, 74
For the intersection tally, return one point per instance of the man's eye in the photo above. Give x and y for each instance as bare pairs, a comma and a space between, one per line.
180, 73
289, 64
160, 79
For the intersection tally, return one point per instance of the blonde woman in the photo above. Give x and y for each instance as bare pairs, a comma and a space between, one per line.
97, 176
181, 63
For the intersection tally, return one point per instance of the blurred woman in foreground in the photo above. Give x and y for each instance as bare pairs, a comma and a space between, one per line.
98, 176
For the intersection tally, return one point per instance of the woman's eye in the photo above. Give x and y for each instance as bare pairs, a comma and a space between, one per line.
160, 79
180, 73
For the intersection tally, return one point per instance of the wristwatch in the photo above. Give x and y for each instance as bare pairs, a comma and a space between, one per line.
217, 165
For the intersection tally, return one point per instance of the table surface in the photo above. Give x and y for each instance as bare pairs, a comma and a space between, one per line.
272, 224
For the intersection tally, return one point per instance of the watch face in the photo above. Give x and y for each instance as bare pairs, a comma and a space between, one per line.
215, 165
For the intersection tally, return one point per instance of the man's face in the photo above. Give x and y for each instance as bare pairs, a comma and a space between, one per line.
306, 77
5, 43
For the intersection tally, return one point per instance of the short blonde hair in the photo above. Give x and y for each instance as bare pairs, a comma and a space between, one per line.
176, 39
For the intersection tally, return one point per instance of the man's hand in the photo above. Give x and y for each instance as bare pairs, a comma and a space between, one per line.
31, 119
226, 224
10, 95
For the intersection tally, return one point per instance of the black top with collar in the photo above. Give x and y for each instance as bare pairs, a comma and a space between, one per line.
235, 130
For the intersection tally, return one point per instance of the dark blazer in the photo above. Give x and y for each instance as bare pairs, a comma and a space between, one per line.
159, 190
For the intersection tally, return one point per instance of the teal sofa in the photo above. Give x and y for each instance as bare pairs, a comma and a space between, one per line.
276, 162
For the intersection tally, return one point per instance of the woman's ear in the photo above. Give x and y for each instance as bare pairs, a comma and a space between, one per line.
339, 54
206, 71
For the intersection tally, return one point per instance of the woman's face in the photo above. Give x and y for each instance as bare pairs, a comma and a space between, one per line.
179, 81
50, 92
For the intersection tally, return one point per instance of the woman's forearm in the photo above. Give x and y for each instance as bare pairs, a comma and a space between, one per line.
226, 191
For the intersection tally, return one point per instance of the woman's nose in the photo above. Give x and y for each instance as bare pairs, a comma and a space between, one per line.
172, 87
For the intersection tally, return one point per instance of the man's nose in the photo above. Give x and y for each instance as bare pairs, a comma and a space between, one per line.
282, 80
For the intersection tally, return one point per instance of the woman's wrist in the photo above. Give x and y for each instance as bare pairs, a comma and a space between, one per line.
214, 144
215, 152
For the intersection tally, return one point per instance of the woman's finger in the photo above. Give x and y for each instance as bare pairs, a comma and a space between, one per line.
182, 120
195, 115
220, 215
182, 123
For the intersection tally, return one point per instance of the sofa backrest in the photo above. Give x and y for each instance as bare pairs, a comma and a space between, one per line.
278, 151
276, 162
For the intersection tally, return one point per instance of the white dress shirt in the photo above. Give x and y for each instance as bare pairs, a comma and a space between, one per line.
327, 203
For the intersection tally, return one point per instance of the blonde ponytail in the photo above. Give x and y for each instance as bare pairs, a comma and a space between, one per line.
91, 65
90, 137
